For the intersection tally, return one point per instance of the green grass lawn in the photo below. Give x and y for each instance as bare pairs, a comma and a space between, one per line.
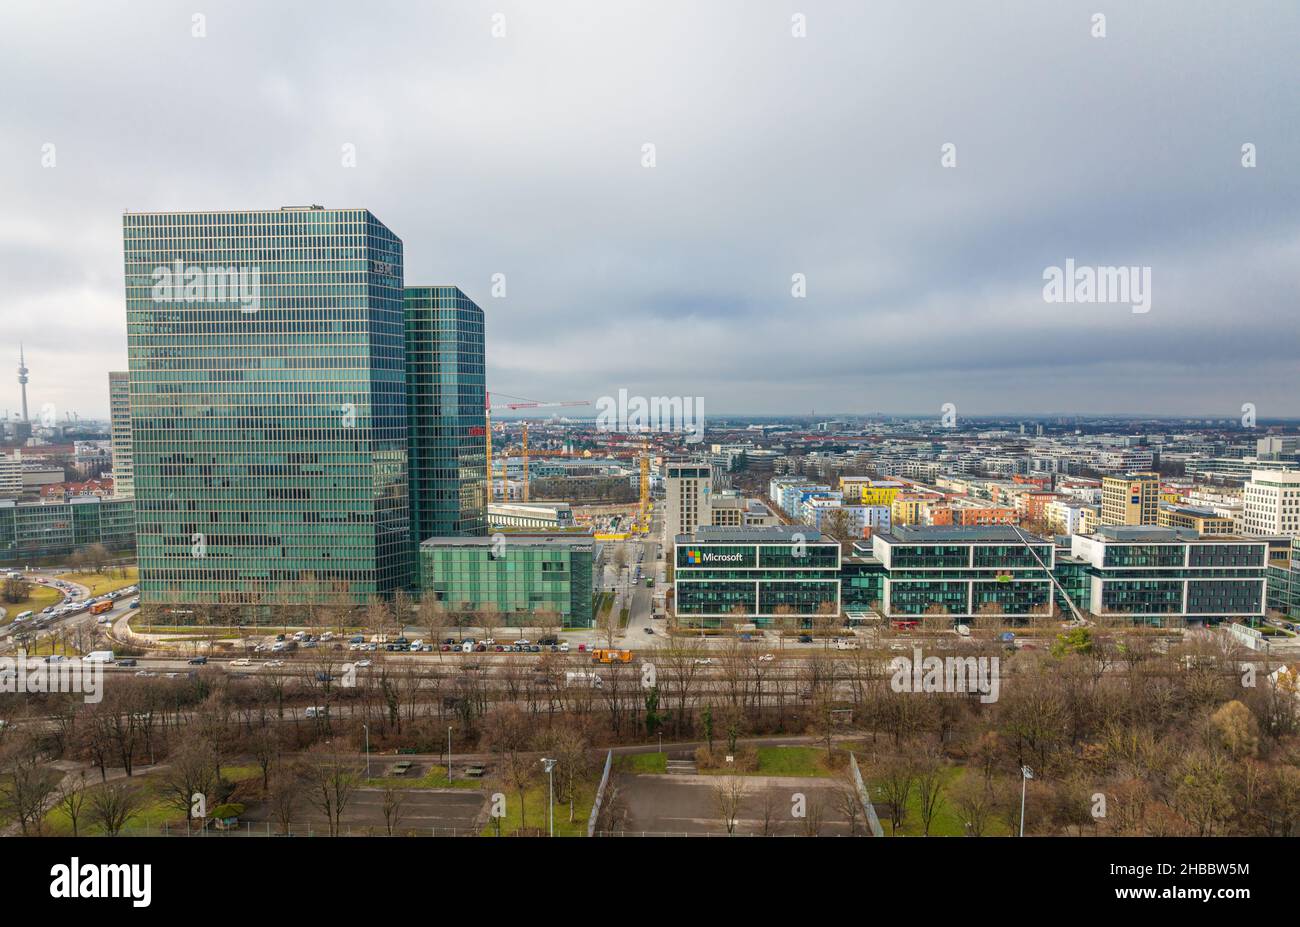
435, 778
947, 819
108, 581
155, 811
535, 806
782, 761
642, 763
38, 598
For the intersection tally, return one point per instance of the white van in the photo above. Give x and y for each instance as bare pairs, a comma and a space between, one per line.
467, 647
22, 616
98, 656
316, 711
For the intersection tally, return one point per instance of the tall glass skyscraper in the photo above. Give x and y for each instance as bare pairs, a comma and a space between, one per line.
268, 404
447, 443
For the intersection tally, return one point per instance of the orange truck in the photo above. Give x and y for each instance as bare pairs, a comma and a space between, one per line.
100, 607
604, 655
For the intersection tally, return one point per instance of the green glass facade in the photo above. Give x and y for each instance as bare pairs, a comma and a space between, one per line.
268, 403
994, 571
1284, 584
1154, 575
446, 418
521, 575
720, 573
36, 530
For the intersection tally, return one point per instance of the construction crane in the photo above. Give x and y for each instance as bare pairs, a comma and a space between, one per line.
519, 403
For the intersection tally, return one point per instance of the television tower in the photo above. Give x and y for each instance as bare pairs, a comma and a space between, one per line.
22, 379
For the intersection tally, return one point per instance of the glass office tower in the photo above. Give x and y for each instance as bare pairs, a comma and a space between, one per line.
446, 422
268, 404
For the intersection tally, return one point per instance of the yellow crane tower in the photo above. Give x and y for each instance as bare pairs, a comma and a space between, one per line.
521, 404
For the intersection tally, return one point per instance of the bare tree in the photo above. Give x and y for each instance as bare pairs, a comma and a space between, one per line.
284, 796
973, 799
729, 794
113, 804
71, 798
929, 787
28, 787
392, 804
331, 781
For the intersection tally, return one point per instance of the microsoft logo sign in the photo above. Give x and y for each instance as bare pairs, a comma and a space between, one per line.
697, 557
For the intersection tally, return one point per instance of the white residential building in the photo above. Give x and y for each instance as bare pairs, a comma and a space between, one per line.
1271, 503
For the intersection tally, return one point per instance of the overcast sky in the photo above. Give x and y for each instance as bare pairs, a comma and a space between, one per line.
774, 156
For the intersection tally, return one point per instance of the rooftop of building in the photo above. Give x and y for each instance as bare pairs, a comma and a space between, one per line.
973, 534
770, 534
514, 540
1150, 533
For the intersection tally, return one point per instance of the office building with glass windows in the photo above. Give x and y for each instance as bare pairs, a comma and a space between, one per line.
1284, 583
119, 398
32, 531
755, 575
997, 571
446, 415
519, 574
268, 403
1157, 576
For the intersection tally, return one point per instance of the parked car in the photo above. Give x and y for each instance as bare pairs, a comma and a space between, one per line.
362, 664
242, 661
126, 662
703, 661
805, 638
135, 603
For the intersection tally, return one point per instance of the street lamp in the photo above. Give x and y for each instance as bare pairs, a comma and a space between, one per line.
367, 729
1025, 775
449, 754
549, 765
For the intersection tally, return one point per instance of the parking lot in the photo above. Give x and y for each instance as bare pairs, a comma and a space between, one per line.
428, 812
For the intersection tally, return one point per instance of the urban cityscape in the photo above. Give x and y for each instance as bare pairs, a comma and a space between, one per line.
281, 556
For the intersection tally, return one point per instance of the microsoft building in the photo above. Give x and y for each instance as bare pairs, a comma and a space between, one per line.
268, 403
446, 417
758, 573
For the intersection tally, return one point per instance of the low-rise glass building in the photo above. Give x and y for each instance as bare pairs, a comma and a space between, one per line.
755, 575
1154, 575
513, 574
1284, 583
30, 531
996, 571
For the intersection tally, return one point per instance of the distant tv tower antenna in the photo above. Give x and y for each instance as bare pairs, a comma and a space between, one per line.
22, 378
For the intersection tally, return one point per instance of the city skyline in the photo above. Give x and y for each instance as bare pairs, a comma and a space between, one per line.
925, 286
